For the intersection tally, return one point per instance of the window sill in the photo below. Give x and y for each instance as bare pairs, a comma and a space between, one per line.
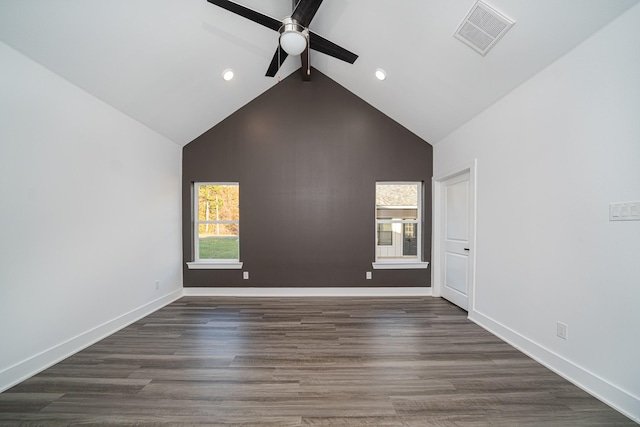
390, 265
232, 265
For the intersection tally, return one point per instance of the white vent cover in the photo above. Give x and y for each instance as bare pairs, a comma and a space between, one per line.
482, 28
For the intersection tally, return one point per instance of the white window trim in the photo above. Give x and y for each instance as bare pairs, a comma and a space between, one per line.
214, 265
210, 264
400, 264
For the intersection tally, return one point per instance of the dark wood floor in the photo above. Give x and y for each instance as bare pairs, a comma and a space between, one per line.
296, 361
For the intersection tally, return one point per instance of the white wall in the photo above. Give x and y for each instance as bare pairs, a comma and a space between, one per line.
90, 218
551, 157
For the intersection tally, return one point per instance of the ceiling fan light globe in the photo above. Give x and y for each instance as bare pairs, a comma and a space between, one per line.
293, 42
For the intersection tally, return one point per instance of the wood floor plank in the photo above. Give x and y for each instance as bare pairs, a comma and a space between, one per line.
303, 362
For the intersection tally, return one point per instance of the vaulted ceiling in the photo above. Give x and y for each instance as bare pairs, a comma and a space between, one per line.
160, 61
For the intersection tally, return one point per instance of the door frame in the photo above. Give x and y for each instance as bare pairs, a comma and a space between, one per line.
438, 228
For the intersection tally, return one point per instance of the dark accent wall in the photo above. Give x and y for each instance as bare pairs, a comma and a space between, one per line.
307, 156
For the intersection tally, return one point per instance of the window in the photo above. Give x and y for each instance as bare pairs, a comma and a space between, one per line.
216, 225
399, 225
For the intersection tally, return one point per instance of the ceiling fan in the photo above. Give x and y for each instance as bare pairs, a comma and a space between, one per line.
295, 36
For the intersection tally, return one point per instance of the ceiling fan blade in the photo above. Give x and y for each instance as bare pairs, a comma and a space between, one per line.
305, 11
250, 14
323, 45
274, 66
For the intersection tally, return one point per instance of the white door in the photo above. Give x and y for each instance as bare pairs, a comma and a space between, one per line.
456, 236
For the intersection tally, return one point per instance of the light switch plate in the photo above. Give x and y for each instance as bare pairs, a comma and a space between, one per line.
624, 211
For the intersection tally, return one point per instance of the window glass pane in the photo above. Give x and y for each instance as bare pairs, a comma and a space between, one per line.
409, 239
218, 247
218, 202
402, 246
218, 230
385, 235
396, 194
397, 213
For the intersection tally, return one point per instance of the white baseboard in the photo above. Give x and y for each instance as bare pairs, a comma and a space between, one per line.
309, 292
41, 361
621, 400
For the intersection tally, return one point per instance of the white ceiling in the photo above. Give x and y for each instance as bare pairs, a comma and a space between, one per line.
160, 61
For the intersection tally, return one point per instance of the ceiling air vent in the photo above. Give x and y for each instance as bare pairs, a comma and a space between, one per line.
482, 28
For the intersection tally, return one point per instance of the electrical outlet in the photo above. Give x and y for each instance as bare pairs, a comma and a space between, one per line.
368, 275
562, 330
157, 284
245, 275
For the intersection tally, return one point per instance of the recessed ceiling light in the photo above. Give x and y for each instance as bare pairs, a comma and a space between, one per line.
381, 74
227, 74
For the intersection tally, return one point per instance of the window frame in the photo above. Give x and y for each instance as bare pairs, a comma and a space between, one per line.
210, 263
414, 262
